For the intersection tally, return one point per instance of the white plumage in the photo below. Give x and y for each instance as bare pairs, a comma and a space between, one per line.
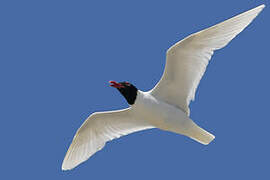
187, 60
166, 106
97, 129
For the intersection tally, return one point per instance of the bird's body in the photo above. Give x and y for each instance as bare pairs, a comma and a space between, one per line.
168, 117
166, 106
156, 112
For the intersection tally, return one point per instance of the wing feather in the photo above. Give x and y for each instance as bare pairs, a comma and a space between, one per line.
187, 60
99, 128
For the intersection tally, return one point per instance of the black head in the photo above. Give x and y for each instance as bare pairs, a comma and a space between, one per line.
127, 90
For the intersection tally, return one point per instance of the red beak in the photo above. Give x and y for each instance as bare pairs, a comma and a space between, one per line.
115, 84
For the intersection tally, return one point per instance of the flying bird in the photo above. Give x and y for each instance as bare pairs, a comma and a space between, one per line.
166, 106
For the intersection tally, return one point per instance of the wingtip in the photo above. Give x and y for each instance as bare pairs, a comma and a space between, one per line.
65, 168
260, 7
68, 165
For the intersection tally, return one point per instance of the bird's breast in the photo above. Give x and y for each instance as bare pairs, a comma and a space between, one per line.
157, 112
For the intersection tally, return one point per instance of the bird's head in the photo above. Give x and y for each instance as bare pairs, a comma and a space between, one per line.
128, 90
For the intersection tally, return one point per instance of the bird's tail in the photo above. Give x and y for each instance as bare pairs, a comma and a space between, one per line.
187, 127
198, 134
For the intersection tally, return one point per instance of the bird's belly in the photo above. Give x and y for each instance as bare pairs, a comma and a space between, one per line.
161, 115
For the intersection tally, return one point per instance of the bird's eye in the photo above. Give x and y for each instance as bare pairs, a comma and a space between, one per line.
127, 83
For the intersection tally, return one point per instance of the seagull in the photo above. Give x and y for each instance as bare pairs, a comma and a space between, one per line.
166, 106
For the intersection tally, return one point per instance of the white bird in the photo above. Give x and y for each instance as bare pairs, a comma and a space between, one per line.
166, 106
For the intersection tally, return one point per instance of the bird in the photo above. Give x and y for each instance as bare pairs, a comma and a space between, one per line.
166, 106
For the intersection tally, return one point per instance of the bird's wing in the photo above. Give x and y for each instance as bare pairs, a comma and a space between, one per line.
97, 129
187, 60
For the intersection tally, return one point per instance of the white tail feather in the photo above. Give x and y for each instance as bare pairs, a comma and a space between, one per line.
187, 127
198, 134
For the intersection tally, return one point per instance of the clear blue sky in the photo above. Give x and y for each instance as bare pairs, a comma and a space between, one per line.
55, 63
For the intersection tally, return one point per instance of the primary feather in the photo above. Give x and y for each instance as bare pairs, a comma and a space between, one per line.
97, 129
187, 60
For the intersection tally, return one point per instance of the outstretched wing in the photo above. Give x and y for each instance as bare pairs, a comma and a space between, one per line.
188, 59
97, 129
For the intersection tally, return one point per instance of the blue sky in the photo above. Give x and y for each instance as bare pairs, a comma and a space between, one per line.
57, 58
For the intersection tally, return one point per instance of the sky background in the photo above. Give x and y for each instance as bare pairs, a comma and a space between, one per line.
56, 58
